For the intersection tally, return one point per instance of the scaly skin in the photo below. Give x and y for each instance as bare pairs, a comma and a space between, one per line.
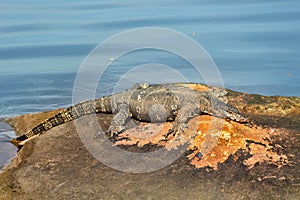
150, 103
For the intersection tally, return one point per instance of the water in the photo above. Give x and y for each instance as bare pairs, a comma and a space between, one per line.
7, 151
255, 45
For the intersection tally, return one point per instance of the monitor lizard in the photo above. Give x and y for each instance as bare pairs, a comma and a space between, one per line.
148, 103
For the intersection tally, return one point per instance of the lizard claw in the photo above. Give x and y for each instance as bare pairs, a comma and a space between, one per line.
178, 129
113, 131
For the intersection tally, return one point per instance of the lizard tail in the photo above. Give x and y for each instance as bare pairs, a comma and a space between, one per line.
66, 115
18, 142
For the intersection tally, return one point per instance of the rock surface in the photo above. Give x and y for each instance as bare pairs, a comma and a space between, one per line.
57, 165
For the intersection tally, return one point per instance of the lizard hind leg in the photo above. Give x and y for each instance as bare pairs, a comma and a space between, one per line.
119, 119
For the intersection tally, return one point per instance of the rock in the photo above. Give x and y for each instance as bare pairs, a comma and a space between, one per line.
57, 164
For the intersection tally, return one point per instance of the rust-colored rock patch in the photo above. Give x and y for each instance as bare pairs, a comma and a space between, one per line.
210, 142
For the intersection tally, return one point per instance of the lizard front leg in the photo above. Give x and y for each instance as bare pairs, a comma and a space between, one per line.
184, 114
119, 120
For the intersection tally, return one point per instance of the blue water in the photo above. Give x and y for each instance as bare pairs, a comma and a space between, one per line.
255, 45
7, 150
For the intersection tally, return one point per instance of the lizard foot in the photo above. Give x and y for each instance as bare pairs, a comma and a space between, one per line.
114, 131
178, 129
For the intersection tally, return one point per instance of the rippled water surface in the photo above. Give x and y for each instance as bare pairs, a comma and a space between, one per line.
255, 45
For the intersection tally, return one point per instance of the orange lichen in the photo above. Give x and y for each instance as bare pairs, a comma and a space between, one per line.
145, 133
261, 154
232, 137
195, 86
211, 140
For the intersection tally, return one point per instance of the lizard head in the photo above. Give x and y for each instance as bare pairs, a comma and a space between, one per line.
224, 110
